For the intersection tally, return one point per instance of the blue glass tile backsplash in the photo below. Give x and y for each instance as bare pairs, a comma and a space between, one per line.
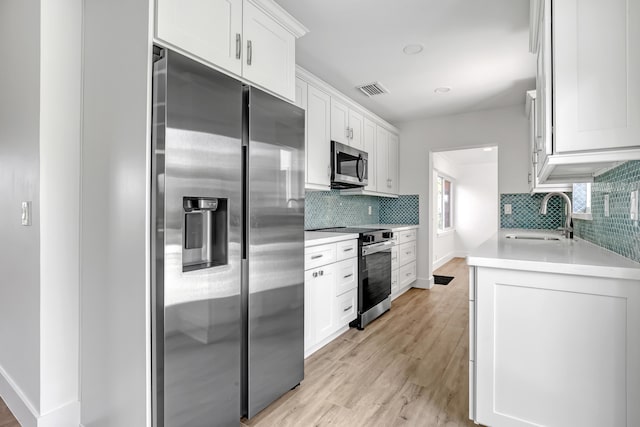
526, 212
403, 210
330, 209
618, 232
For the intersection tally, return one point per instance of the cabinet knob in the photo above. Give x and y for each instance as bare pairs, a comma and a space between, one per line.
315, 274
321, 272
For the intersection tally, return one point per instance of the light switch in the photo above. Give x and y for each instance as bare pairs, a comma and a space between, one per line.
606, 205
26, 213
507, 209
634, 205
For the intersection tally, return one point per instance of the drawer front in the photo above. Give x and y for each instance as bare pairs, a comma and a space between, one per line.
395, 285
407, 253
407, 236
346, 249
394, 258
346, 275
316, 256
407, 274
346, 308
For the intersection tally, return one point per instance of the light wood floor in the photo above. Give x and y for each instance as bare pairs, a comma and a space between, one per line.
408, 368
6, 418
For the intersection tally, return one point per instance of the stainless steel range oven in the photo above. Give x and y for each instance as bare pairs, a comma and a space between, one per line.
374, 272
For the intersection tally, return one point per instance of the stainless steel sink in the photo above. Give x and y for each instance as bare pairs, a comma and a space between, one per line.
531, 237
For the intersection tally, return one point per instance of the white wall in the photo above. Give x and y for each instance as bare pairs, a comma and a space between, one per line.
506, 128
39, 162
477, 206
115, 334
444, 244
60, 84
19, 181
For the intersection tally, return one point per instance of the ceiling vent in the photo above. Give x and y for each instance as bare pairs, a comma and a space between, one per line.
372, 89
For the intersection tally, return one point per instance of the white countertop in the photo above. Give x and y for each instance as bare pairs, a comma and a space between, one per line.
563, 256
315, 238
392, 227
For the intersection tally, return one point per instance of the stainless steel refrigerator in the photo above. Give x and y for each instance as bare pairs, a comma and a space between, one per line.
227, 246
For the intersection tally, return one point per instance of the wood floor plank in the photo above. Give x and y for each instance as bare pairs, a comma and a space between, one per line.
6, 417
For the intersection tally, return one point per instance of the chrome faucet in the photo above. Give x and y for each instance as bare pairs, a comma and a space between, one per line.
567, 231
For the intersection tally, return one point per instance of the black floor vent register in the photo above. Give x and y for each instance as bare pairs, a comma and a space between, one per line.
442, 280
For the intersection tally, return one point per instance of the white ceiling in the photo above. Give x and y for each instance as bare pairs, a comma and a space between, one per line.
478, 48
470, 156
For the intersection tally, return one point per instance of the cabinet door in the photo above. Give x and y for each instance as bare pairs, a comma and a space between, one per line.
596, 47
382, 160
356, 126
339, 122
205, 28
269, 52
394, 147
318, 137
301, 93
369, 142
544, 105
322, 301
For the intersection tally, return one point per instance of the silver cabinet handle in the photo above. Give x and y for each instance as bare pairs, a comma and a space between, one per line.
348, 308
238, 45
408, 252
408, 274
347, 133
348, 249
315, 274
329, 171
316, 256
529, 178
321, 272
351, 133
249, 52
348, 275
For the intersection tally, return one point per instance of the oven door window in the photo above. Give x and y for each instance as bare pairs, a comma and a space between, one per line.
376, 278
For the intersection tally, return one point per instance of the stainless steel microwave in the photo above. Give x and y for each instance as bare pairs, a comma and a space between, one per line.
349, 166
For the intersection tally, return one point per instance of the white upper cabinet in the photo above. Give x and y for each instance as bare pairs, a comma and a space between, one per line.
369, 142
254, 39
210, 29
392, 169
588, 86
270, 52
318, 151
339, 122
347, 125
382, 160
596, 47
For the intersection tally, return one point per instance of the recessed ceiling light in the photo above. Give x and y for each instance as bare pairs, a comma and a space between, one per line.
413, 49
443, 89
488, 149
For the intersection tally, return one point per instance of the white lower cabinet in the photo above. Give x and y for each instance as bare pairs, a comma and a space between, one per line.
553, 349
330, 292
403, 260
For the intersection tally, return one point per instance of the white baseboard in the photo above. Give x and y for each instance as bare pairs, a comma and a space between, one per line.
442, 261
66, 415
26, 414
401, 291
17, 402
422, 283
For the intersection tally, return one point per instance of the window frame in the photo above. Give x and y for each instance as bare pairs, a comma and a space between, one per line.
587, 216
441, 203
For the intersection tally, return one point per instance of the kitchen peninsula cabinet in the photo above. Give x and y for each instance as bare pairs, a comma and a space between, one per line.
553, 334
253, 39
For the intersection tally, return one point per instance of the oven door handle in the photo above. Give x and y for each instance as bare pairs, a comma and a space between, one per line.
377, 247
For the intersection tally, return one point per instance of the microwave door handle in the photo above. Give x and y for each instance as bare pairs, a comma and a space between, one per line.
360, 162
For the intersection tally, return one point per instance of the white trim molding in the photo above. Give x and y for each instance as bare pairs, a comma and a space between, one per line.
281, 16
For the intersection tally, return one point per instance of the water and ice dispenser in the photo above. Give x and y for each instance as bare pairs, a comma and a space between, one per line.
205, 241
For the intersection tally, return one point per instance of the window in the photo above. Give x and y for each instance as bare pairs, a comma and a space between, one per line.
582, 201
445, 204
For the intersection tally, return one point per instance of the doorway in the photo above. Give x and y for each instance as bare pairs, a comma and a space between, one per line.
464, 200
